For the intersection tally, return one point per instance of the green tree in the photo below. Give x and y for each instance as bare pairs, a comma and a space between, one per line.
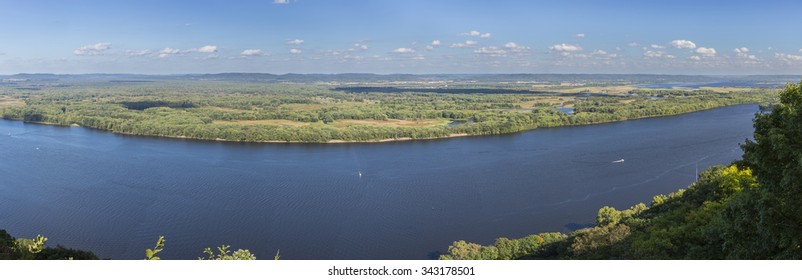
775, 156
462, 250
608, 216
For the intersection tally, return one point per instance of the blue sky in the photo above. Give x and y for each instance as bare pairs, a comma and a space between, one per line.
317, 36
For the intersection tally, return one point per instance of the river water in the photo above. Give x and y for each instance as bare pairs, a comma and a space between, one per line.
115, 194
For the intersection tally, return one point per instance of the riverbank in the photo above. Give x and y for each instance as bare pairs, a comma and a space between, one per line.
385, 140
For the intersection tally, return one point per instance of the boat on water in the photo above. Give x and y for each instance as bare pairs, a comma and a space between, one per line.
618, 161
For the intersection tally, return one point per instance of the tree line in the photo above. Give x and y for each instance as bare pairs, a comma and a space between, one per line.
209, 110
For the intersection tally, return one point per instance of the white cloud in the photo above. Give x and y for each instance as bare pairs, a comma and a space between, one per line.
404, 50
788, 57
281, 1
706, 51
295, 42
565, 48
599, 52
580, 35
476, 34
208, 49
683, 44
361, 46
633, 44
743, 52
600, 55
137, 53
800, 50
512, 46
654, 54
167, 52
434, 44
295, 51
695, 57
491, 51
95, 49
656, 46
252, 52
468, 43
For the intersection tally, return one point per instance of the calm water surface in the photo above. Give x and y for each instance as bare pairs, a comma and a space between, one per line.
116, 194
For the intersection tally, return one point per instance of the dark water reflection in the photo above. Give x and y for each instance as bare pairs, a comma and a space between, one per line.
115, 195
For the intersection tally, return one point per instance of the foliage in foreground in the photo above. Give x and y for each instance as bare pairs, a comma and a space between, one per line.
35, 249
223, 253
749, 210
687, 224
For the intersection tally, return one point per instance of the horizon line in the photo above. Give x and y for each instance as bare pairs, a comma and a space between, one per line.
385, 74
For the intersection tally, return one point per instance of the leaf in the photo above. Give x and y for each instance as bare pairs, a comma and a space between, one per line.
149, 253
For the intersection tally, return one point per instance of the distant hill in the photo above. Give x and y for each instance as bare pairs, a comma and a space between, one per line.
377, 78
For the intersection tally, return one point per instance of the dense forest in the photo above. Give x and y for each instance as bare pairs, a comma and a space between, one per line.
751, 209
319, 112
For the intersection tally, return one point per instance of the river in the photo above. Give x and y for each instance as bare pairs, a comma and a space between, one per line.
115, 194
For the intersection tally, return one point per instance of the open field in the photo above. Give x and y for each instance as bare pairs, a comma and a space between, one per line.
344, 123
6, 101
393, 123
224, 109
726, 89
612, 90
265, 122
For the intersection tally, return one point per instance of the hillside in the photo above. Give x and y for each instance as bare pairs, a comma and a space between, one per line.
749, 210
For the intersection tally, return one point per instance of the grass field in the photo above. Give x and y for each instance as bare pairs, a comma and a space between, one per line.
345, 123
392, 122
6, 101
224, 109
268, 122
727, 89
612, 90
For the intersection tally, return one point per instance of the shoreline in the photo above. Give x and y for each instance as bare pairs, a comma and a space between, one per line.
386, 140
